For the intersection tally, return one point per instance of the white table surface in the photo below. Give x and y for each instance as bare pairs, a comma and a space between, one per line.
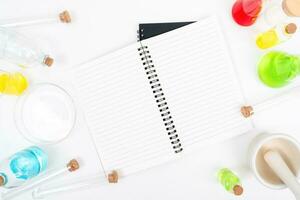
100, 27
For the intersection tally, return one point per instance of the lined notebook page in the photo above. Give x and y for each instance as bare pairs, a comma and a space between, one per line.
199, 83
120, 112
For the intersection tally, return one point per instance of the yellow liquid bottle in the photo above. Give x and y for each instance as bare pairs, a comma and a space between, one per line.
275, 36
12, 83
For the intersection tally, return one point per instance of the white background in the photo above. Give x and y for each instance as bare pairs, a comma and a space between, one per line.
100, 27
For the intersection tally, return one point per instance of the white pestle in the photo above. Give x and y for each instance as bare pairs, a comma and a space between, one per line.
280, 168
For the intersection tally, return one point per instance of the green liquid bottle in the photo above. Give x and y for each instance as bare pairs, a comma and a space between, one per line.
230, 181
277, 69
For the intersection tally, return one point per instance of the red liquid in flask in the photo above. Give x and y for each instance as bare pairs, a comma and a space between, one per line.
245, 12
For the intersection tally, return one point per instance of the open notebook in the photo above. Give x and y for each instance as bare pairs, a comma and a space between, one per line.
160, 98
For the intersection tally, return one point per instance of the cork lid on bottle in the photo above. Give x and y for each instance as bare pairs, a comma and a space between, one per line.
291, 7
73, 165
238, 190
2, 181
65, 17
247, 111
290, 28
48, 61
113, 177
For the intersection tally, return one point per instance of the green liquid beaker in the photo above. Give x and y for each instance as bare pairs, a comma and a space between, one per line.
277, 69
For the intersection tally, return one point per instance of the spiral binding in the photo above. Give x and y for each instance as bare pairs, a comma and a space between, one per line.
160, 98
140, 34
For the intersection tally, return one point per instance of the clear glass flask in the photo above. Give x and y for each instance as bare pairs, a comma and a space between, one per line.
18, 49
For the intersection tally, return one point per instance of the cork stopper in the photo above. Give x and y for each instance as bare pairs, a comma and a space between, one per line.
73, 165
291, 28
65, 17
238, 190
247, 111
113, 177
48, 61
291, 7
2, 181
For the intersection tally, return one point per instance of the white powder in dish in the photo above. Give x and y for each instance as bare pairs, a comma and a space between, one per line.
46, 114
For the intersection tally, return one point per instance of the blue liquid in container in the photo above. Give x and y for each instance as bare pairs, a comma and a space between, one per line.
22, 166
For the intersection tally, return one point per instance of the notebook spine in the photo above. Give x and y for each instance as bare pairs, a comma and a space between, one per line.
160, 98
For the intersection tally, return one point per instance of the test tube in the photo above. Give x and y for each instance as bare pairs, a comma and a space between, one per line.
248, 110
63, 17
72, 166
92, 181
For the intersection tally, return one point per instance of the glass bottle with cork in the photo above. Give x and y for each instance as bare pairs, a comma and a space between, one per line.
275, 36
18, 49
230, 181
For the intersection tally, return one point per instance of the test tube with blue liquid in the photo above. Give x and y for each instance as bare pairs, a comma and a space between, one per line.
22, 166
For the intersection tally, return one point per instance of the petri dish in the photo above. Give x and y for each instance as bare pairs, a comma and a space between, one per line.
45, 114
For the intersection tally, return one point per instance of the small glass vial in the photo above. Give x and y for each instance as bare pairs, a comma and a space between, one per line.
230, 181
22, 166
275, 36
12, 83
17, 49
